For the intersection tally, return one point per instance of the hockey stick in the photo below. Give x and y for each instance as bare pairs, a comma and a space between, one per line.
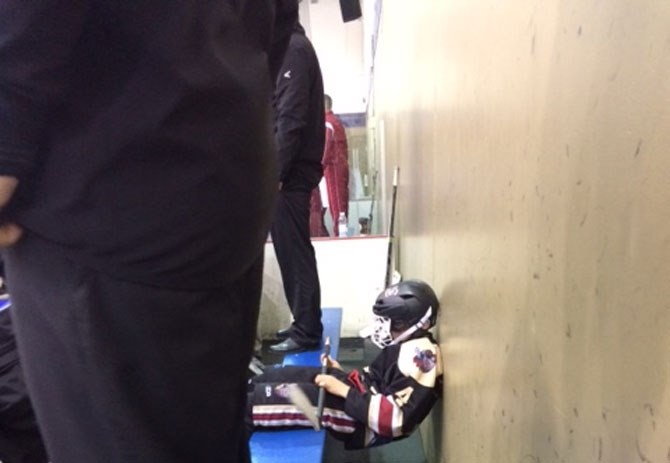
298, 397
301, 401
324, 370
372, 202
389, 253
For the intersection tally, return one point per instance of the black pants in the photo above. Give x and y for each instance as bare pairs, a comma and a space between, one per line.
297, 263
20, 440
121, 372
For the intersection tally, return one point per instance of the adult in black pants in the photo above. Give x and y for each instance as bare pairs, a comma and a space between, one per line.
20, 439
137, 187
299, 122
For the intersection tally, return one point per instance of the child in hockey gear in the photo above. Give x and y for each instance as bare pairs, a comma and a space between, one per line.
384, 401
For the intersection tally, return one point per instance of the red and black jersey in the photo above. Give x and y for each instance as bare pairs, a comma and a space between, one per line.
396, 392
386, 402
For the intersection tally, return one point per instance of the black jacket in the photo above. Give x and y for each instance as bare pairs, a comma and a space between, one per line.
299, 118
142, 131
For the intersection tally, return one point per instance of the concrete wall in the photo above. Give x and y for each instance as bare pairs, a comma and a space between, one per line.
533, 140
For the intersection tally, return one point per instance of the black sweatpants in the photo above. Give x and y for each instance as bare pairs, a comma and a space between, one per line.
297, 263
121, 372
20, 440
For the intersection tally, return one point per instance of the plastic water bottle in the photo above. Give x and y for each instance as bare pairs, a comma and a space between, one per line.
342, 227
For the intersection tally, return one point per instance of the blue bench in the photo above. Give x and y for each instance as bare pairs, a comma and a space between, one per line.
301, 445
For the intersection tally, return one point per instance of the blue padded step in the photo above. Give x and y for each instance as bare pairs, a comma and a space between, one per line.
290, 446
299, 445
331, 318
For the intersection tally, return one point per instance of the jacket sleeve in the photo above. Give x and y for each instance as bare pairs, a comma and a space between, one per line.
36, 39
329, 152
407, 398
292, 106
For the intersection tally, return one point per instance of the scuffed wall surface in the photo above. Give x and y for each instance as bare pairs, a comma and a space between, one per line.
533, 139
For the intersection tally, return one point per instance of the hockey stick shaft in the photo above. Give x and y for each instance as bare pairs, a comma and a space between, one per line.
298, 398
372, 202
389, 252
324, 370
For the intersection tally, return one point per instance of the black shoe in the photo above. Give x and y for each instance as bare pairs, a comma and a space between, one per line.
283, 333
289, 345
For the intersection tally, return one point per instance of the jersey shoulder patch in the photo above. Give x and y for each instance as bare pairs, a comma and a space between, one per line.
420, 359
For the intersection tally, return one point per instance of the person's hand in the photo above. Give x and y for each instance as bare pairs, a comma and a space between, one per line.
330, 363
332, 385
280, 185
10, 232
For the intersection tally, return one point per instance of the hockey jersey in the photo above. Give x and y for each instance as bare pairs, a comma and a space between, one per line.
387, 400
391, 396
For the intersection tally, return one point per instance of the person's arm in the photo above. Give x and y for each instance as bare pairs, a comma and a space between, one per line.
330, 362
332, 385
292, 106
412, 392
329, 151
10, 233
36, 39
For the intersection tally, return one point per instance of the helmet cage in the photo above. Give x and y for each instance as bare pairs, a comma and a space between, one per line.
381, 332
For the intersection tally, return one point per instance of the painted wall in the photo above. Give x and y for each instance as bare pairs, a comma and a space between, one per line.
351, 272
533, 139
339, 47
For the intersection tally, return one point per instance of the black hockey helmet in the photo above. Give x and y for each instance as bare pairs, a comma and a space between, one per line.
405, 307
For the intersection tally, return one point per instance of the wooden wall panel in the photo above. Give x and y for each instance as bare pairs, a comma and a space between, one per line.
533, 140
